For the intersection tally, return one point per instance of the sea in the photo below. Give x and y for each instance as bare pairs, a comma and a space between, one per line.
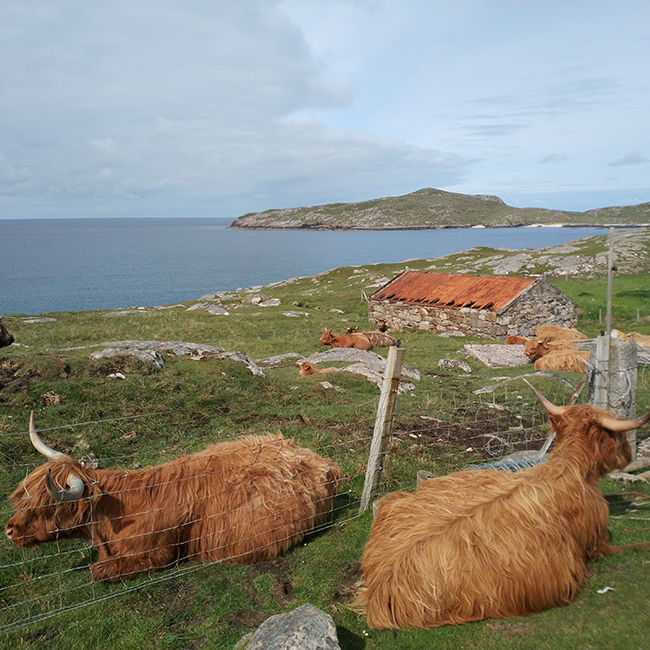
52, 265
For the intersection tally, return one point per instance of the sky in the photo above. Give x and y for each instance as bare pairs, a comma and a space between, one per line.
218, 108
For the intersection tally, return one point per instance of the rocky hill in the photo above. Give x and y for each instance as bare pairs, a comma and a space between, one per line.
431, 208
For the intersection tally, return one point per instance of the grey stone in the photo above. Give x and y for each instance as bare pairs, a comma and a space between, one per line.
448, 364
150, 351
295, 314
210, 308
305, 628
125, 312
254, 299
271, 302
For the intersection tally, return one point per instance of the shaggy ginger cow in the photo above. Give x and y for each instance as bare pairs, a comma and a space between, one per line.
377, 339
482, 544
307, 368
6, 338
356, 340
241, 502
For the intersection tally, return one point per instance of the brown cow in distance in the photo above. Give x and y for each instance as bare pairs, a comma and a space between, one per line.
240, 502
357, 340
485, 544
377, 339
6, 338
307, 368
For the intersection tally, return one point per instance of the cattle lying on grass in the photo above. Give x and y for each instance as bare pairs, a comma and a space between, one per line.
513, 339
564, 360
240, 502
377, 339
357, 340
482, 544
307, 368
5, 337
556, 333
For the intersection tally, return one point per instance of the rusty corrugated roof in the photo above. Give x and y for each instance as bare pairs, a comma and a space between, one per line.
453, 291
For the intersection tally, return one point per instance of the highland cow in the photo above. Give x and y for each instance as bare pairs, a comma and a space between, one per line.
6, 337
482, 544
377, 339
240, 502
307, 368
357, 340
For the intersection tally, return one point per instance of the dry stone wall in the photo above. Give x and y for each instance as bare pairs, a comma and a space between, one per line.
541, 304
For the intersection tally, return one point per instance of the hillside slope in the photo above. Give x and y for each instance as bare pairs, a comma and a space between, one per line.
431, 208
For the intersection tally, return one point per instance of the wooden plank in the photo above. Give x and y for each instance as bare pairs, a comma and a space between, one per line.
383, 426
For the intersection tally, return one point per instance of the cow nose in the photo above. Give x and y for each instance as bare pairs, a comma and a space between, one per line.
9, 531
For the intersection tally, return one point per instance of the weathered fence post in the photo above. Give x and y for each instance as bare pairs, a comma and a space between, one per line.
599, 385
613, 380
383, 425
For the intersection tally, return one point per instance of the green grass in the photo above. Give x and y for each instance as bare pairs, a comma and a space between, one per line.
189, 404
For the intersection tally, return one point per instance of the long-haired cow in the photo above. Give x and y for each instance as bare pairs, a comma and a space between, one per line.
6, 338
241, 502
356, 340
377, 339
482, 544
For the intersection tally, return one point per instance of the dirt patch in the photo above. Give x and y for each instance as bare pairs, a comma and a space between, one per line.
13, 380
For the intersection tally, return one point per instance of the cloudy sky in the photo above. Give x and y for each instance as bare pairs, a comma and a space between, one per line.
222, 108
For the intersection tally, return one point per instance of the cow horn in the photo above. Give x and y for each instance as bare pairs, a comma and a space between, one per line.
74, 492
549, 406
40, 446
614, 424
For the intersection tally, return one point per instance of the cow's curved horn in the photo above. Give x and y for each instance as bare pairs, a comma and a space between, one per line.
614, 424
549, 406
40, 446
73, 493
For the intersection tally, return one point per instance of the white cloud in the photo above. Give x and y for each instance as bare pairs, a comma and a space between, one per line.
632, 158
228, 107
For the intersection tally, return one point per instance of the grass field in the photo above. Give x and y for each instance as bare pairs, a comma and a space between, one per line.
156, 415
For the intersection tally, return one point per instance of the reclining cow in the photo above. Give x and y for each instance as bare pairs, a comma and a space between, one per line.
356, 340
377, 339
482, 544
240, 502
6, 338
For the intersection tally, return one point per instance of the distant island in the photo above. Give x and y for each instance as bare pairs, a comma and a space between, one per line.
429, 208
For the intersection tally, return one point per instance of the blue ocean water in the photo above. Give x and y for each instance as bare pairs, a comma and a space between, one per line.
80, 264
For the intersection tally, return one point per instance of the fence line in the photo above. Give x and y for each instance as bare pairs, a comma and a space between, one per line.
506, 419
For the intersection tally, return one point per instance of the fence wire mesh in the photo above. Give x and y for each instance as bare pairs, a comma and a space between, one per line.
436, 433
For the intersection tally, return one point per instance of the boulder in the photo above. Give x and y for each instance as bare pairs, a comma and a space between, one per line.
305, 628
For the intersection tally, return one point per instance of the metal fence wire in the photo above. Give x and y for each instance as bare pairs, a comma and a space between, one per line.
491, 424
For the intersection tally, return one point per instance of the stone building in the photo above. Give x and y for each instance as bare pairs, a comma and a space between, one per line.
485, 306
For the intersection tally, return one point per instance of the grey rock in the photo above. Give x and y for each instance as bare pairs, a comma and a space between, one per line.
254, 299
305, 628
39, 319
125, 312
210, 308
144, 355
495, 355
295, 314
150, 351
270, 362
271, 302
448, 364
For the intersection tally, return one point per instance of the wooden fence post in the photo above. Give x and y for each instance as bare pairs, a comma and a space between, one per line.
383, 425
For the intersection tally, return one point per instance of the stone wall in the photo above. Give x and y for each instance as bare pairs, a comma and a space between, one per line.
540, 304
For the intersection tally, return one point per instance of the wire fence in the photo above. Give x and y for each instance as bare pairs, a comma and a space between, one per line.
240, 509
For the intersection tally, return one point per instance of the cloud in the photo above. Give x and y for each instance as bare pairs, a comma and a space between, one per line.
184, 104
632, 158
553, 158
